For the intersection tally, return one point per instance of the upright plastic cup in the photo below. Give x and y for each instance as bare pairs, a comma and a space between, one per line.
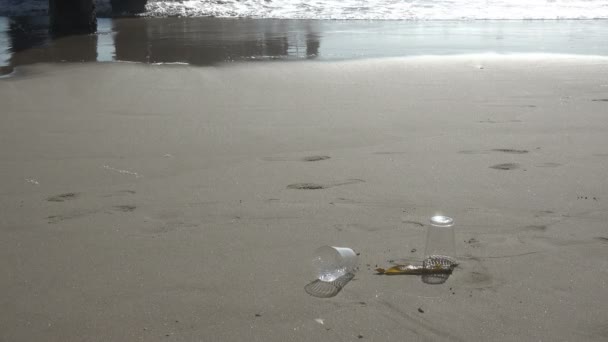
331, 263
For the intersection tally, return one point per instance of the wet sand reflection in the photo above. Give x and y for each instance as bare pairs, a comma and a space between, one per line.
208, 41
200, 41
30, 42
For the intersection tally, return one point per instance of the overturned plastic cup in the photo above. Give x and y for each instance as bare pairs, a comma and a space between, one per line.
331, 263
439, 251
440, 239
334, 267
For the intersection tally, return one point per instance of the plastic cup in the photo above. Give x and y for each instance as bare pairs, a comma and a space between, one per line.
331, 263
440, 239
439, 250
334, 267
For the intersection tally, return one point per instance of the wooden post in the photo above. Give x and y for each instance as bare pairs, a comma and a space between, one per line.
72, 16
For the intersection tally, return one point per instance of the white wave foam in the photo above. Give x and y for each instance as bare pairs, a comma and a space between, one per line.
350, 9
384, 9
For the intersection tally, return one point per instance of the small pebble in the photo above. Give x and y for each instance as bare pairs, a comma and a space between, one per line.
413, 250
420, 310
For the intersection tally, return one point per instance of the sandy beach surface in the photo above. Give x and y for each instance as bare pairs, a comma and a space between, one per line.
156, 202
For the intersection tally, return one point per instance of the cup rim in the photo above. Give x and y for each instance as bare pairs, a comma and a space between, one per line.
442, 221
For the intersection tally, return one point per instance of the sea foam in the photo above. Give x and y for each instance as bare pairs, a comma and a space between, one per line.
351, 9
384, 9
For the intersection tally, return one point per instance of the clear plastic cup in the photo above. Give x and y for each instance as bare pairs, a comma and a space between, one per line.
439, 250
331, 263
440, 239
334, 267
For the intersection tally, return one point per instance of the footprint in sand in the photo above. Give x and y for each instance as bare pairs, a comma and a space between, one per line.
505, 166
125, 208
315, 158
414, 223
63, 197
74, 214
305, 159
535, 228
510, 150
317, 186
307, 186
502, 150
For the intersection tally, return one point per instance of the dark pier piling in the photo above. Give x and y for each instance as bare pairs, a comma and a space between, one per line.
128, 7
72, 16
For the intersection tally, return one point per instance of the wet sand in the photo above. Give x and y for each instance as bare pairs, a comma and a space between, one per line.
147, 202
213, 41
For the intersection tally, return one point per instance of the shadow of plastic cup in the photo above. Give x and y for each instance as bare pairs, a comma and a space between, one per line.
440, 246
334, 267
328, 289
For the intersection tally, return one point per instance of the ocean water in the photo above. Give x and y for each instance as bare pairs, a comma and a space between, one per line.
350, 9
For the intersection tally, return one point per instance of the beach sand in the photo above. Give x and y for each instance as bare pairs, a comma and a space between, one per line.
157, 202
